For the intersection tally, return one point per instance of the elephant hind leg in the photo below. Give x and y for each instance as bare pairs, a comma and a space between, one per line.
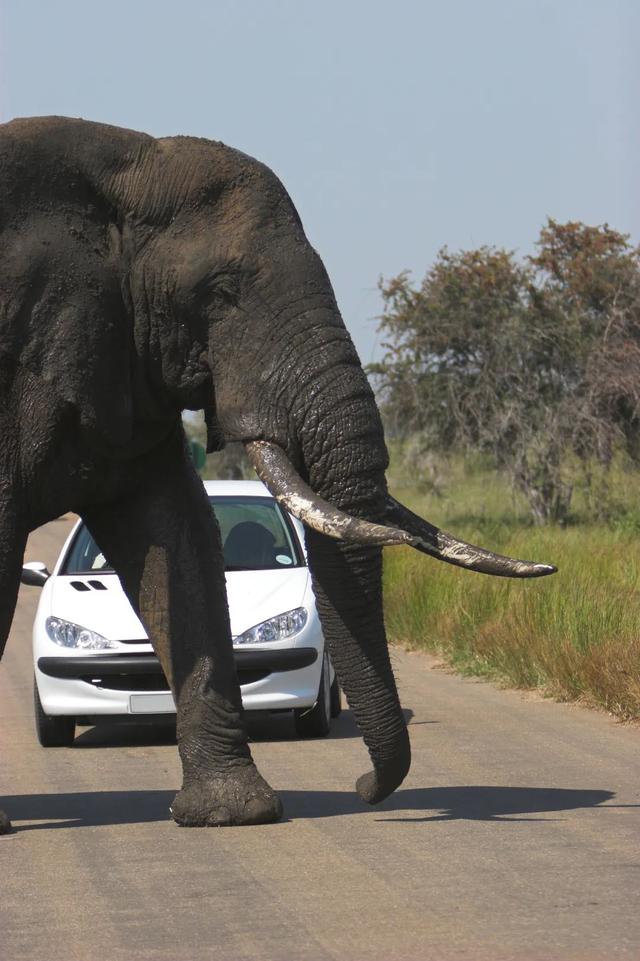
13, 539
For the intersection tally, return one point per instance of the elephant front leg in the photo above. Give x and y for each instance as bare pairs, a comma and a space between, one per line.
164, 543
221, 783
13, 538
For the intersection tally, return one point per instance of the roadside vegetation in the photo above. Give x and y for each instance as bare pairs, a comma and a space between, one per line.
510, 390
573, 636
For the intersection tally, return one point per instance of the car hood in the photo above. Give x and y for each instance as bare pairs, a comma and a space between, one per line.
104, 610
254, 596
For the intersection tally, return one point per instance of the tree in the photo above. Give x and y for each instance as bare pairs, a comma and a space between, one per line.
536, 363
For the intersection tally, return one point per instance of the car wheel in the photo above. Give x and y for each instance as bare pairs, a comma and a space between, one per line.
52, 731
336, 697
316, 721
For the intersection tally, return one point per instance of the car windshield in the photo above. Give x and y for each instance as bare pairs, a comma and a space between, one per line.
256, 536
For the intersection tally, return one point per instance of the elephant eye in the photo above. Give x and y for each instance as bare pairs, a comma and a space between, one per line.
224, 287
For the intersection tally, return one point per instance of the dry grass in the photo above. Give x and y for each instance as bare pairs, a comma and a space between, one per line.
574, 636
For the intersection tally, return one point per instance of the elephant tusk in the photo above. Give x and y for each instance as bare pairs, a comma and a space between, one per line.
275, 470
431, 540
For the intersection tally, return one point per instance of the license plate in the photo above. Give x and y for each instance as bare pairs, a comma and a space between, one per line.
152, 704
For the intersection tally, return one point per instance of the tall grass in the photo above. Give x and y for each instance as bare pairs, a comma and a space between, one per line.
575, 635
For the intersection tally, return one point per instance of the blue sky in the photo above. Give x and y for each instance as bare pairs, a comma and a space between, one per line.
397, 127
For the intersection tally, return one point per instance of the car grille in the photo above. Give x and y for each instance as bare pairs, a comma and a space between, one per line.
155, 682
129, 682
142, 671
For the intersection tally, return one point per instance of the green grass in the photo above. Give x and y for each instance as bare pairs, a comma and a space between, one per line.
574, 635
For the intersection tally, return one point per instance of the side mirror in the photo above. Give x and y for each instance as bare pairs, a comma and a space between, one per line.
35, 574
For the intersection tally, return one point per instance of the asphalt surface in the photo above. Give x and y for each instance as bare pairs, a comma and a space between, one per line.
516, 836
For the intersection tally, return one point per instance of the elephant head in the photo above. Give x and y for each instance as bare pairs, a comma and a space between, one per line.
227, 307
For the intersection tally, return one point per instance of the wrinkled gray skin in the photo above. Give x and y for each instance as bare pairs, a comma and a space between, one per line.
139, 277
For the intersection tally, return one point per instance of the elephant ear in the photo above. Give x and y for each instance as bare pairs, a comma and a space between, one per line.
89, 367
67, 323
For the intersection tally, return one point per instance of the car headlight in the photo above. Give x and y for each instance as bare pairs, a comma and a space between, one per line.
275, 629
66, 634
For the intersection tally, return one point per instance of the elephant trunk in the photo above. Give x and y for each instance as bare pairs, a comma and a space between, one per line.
345, 458
348, 588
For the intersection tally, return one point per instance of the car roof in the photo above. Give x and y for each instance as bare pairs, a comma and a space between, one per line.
234, 488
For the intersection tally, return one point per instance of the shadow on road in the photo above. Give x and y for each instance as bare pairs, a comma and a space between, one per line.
480, 803
263, 728
125, 733
470, 803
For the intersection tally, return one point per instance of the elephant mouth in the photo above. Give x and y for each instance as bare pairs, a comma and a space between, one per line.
404, 528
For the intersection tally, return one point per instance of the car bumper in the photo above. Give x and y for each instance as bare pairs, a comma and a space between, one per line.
135, 684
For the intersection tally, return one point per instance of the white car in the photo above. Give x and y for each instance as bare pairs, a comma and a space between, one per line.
92, 657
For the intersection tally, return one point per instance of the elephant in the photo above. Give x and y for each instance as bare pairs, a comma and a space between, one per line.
140, 277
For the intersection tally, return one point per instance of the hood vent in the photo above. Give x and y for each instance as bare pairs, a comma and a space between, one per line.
91, 585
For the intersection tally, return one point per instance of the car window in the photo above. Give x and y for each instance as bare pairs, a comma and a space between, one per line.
84, 557
256, 535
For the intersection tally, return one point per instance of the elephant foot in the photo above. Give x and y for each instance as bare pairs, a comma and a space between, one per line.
241, 796
5, 823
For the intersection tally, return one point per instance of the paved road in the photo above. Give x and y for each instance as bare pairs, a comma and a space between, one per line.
516, 836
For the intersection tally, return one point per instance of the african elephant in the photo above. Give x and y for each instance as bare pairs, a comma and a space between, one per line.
140, 277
